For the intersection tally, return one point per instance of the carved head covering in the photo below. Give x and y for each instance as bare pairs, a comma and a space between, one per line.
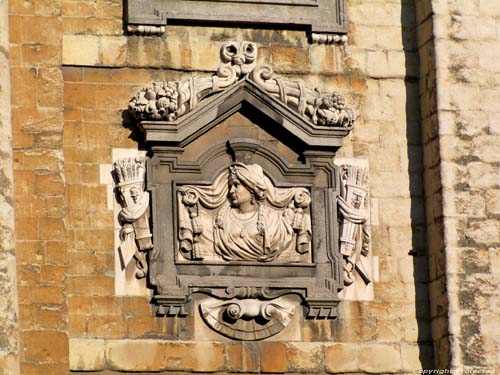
251, 176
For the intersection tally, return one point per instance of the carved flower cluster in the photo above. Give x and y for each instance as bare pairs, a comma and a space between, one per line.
332, 111
156, 101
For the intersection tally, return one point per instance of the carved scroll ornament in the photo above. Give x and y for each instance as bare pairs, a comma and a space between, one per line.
353, 213
168, 100
243, 217
135, 234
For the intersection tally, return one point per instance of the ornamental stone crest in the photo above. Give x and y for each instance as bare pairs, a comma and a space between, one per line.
169, 100
245, 199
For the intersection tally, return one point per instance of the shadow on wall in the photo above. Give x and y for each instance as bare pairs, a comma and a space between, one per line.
419, 250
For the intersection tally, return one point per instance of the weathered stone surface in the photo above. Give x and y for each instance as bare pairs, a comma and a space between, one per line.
342, 357
305, 357
273, 357
151, 355
87, 355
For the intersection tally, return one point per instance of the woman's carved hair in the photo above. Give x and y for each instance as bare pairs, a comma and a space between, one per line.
251, 176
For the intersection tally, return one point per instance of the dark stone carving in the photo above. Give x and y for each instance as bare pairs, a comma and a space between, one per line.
325, 20
197, 149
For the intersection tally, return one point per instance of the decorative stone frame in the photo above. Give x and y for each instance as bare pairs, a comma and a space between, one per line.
325, 20
312, 124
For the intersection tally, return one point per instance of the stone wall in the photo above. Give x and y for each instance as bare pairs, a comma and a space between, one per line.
9, 342
39, 189
74, 72
459, 50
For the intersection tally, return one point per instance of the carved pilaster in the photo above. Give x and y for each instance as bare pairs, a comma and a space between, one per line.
135, 235
353, 215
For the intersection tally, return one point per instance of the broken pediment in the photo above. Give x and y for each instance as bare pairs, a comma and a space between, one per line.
244, 196
178, 111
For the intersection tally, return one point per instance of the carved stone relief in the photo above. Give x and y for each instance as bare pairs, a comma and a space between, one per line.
135, 234
240, 222
243, 217
353, 211
167, 101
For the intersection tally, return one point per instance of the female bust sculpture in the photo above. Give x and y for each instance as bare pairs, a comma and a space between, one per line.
253, 220
245, 228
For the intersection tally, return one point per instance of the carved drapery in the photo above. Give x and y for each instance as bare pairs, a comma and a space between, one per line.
135, 234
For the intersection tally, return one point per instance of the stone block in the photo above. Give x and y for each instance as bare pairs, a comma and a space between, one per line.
486, 147
106, 326
378, 14
136, 306
273, 357
77, 325
91, 285
30, 252
389, 330
52, 229
22, 140
49, 87
80, 50
50, 274
109, 9
243, 357
55, 252
72, 74
355, 330
79, 95
45, 346
23, 86
51, 318
81, 263
51, 184
416, 357
305, 357
141, 326
483, 232
112, 50
50, 295
40, 55
113, 96
48, 8
342, 357
104, 26
86, 354
289, 59
380, 358
154, 355
483, 175
43, 30
94, 240
106, 305
470, 204
396, 211
83, 8
80, 305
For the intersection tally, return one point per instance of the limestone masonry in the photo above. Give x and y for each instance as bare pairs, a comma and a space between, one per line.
322, 196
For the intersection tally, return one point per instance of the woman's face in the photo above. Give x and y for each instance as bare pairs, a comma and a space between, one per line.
239, 195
